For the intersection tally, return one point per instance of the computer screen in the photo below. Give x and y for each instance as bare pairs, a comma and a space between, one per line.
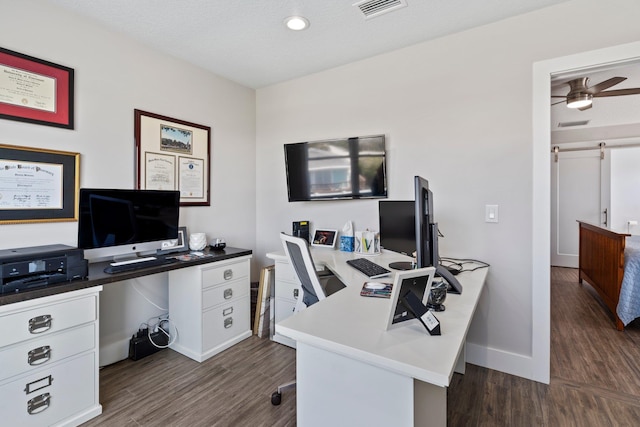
122, 222
409, 227
427, 235
397, 226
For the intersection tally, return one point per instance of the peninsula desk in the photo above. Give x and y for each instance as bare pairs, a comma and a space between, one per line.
351, 371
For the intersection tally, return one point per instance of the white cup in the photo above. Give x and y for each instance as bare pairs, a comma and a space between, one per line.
367, 242
197, 241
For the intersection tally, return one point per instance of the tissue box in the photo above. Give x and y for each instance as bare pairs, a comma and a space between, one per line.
346, 243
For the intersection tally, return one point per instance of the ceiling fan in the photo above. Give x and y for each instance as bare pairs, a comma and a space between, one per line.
581, 96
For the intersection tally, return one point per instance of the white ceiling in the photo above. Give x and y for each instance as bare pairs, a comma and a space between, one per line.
247, 42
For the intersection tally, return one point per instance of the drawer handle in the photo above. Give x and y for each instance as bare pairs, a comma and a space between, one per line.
296, 292
40, 324
227, 311
228, 293
228, 274
39, 355
38, 403
228, 322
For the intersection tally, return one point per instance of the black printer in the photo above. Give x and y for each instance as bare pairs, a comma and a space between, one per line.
36, 266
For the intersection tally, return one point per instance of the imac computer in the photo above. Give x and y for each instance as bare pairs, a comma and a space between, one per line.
422, 238
122, 224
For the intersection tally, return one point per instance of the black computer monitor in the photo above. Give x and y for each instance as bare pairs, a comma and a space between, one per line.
397, 226
409, 227
427, 235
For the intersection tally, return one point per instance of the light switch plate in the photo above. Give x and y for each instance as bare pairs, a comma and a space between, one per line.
491, 213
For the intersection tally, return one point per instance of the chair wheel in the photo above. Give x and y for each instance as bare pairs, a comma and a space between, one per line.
276, 398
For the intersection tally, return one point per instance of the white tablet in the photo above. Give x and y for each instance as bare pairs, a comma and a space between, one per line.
417, 282
324, 238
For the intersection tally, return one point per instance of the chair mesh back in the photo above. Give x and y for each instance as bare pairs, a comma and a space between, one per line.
309, 296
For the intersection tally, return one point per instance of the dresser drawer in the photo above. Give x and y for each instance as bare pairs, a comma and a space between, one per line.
225, 322
215, 295
50, 395
43, 351
226, 273
47, 319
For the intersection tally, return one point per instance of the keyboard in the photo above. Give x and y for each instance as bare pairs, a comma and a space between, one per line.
368, 268
136, 264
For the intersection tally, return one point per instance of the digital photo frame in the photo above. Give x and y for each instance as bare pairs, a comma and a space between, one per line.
409, 294
324, 238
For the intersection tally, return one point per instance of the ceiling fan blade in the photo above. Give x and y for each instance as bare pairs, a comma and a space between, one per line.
586, 107
558, 96
605, 85
619, 92
559, 102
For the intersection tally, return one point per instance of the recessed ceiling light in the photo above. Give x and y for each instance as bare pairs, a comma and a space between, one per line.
296, 23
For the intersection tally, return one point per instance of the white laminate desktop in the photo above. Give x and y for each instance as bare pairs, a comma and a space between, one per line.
351, 371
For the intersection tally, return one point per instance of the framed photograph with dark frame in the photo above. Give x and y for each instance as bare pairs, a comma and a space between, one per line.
36, 91
173, 154
38, 185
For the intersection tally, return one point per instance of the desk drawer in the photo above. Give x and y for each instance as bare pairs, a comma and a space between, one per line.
288, 290
40, 352
222, 274
225, 322
284, 308
50, 395
285, 271
215, 295
44, 320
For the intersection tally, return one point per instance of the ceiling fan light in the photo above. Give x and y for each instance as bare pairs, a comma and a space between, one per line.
579, 100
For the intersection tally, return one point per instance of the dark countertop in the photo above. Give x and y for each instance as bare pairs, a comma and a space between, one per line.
98, 277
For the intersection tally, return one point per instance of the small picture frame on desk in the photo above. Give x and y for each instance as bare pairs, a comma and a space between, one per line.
175, 245
415, 284
324, 238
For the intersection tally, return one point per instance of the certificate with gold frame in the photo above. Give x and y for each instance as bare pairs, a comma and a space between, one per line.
38, 185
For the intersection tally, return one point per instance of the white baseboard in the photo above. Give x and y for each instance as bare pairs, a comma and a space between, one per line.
500, 360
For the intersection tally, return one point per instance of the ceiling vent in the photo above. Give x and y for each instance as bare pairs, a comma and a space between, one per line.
570, 124
372, 8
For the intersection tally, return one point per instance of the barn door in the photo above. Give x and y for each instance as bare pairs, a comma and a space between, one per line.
577, 193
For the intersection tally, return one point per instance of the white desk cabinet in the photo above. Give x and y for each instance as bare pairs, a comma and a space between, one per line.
286, 288
49, 360
210, 306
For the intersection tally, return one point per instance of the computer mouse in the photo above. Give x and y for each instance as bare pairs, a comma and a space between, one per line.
373, 285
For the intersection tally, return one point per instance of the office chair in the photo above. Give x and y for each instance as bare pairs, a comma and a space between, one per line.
297, 250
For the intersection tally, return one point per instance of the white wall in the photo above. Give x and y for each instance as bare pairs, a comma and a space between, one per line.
114, 76
457, 111
625, 189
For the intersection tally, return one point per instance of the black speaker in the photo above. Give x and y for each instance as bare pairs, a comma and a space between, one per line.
301, 229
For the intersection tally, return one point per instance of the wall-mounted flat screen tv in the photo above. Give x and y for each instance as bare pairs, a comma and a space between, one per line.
348, 168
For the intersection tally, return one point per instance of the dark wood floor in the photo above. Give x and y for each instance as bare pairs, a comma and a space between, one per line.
595, 380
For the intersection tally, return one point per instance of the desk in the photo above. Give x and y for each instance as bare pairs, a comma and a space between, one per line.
49, 354
350, 371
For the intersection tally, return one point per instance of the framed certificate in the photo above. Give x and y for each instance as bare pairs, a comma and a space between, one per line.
173, 154
35, 91
38, 185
